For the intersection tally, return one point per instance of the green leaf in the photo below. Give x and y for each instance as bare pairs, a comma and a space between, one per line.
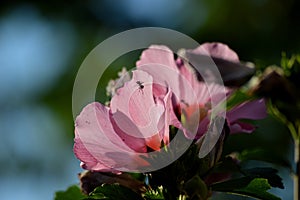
230, 185
290, 65
237, 98
72, 193
196, 187
256, 188
112, 192
226, 165
264, 155
267, 173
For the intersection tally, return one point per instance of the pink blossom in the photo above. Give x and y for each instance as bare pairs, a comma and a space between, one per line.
193, 98
114, 138
162, 92
233, 72
248, 110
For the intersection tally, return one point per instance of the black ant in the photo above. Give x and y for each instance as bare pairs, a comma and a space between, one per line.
141, 86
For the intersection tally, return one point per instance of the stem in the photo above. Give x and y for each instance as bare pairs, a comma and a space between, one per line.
284, 120
297, 172
296, 137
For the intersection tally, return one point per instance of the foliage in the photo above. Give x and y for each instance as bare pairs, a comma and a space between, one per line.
256, 188
72, 193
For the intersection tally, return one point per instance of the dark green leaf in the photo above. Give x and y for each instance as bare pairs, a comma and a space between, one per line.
268, 173
256, 188
113, 192
196, 187
264, 155
232, 184
72, 193
227, 165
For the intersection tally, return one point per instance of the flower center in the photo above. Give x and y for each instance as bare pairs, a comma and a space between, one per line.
192, 115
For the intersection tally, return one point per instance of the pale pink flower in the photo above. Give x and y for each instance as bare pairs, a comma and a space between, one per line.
193, 98
114, 138
162, 92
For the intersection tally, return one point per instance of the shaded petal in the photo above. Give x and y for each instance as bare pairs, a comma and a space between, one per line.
208, 55
205, 91
241, 127
203, 127
169, 118
96, 142
88, 161
138, 144
159, 62
211, 93
217, 50
249, 110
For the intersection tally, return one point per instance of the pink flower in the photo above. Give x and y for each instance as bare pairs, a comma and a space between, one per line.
233, 72
193, 98
162, 92
115, 138
248, 110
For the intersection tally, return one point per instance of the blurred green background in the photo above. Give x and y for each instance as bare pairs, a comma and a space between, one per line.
42, 44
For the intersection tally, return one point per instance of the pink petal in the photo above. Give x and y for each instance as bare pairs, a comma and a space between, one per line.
217, 50
211, 93
208, 55
134, 109
169, 118
240, 127
89, 162
187, 72
157, 54
190, 87
203, 127
138, 144
158, 61
98, 146
204, 92
249, 110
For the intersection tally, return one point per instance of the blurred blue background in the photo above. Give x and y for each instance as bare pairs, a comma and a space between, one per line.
42, 44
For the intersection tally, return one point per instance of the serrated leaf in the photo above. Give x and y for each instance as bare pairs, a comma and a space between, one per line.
256, 188
72, 193
112, 192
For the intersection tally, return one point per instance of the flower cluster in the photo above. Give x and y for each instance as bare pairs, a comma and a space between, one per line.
163, 92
